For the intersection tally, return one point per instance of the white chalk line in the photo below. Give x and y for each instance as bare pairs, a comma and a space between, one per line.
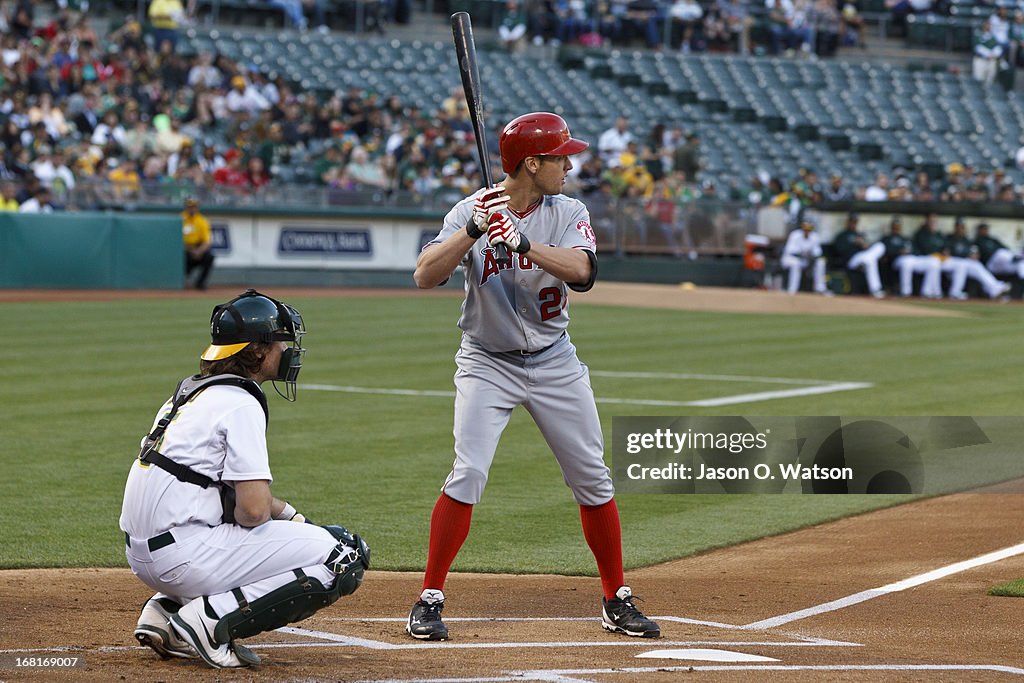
816, 389
338, 639
748, 379
571, 674
896, 587
774, 395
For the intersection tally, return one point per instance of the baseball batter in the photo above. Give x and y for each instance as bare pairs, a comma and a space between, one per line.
515, 351
201, 528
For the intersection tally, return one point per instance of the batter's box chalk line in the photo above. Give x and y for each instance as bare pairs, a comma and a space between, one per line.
574, 675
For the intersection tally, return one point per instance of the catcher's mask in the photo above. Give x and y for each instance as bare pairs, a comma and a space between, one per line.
254, 317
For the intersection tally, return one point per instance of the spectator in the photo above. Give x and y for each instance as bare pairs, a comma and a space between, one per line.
244, 98
987, 52
613, 142
366, 172
685, 17
7, 198
999, 25
184, 155
606, 20
643, 18
512, 29
52, 172
231, 174
165, 16
542, 19
732, 29
836, 190
204, 74
22, 19
293, 14
50, 116
923, 189
787, 26
572, 20
198, 239
686, 157
168, 138
88, 118
109, 130
41, 202
256, 173
879, 190
901, 9
801, 251
1015, 57
851, 25
824, 20
124, 179
210, 161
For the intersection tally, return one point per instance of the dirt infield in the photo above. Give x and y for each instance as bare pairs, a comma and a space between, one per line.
673, 297
804, 599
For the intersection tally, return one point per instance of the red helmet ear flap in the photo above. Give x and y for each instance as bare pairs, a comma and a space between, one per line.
536, 134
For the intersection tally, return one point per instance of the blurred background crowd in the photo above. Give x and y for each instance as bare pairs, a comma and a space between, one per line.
96, 114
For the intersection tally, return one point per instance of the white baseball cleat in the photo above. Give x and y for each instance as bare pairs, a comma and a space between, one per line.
154, 630
196, 627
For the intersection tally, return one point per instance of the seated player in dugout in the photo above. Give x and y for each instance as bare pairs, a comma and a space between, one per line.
226, 558
515, 350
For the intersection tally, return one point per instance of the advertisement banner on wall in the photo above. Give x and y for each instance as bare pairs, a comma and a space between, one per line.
302, 240
269, 242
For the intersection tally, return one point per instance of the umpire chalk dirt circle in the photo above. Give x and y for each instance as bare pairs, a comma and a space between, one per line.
893, 595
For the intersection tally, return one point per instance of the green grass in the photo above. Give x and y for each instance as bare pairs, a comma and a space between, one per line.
83, 380
1012, 589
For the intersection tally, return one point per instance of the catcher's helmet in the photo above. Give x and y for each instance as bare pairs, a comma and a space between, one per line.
536, 134
254, 317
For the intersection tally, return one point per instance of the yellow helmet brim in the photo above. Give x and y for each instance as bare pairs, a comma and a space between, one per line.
215, 352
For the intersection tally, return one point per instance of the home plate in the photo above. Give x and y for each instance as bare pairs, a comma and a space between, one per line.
705, 655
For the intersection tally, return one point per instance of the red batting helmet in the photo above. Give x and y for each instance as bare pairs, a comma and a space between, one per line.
537, 134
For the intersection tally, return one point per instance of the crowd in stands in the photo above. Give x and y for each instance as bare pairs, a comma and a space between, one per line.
790, 27
92, 121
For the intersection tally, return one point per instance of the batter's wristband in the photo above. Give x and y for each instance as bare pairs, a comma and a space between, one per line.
473, 231
524, 244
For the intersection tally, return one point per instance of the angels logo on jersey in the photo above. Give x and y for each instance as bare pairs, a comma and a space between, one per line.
588, 233
491, 266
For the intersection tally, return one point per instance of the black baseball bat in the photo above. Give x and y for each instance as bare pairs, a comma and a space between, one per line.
469, 69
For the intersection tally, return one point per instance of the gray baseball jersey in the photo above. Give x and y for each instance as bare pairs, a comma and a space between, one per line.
519, 307
515, 351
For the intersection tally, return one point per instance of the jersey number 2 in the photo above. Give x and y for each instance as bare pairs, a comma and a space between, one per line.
550, 302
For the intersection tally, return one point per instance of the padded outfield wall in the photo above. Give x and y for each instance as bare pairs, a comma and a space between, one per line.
90, 251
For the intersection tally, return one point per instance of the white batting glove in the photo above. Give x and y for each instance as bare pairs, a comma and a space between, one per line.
489, 202
501, 231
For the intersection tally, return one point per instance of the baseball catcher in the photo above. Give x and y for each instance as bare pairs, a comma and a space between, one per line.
228, 560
